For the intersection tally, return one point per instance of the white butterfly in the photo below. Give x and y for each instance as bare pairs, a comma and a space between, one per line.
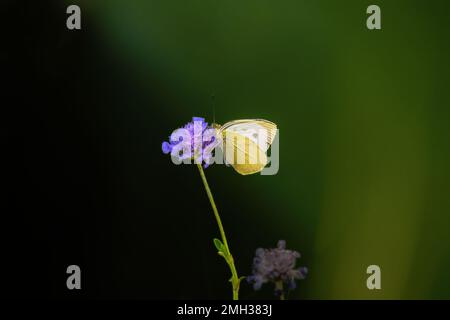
245, 143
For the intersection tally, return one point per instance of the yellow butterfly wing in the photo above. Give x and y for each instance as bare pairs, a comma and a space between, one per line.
246, 142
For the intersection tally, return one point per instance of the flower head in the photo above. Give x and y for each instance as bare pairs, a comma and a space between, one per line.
276, 265
195, 140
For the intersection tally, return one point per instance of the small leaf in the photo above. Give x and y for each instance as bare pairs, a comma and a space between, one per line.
219, 245
238, 281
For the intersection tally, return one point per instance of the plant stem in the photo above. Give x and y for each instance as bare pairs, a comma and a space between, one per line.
228, 257
279, 287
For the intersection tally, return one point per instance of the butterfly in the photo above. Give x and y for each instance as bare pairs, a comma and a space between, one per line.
245, 143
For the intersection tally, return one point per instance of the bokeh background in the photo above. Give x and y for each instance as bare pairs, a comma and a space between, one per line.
364, 146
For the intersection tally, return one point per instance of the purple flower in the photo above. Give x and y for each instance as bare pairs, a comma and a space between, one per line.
276, 265
195, 140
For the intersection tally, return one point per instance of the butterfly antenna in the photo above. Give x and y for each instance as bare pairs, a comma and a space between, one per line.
213, 100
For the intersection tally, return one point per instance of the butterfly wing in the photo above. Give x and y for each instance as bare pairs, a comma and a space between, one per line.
252, 129
246, 142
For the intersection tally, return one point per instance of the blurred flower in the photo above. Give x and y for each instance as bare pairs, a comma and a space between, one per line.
276, 265
195, 140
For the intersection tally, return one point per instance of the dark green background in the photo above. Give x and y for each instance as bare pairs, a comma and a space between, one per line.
363, 118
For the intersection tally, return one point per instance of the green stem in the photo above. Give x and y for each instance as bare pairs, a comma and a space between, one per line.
228, 257
279, 287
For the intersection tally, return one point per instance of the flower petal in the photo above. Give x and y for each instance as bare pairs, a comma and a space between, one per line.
198, 119
281, 244
166, 147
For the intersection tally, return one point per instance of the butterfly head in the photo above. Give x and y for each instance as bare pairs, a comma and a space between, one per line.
216, 126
